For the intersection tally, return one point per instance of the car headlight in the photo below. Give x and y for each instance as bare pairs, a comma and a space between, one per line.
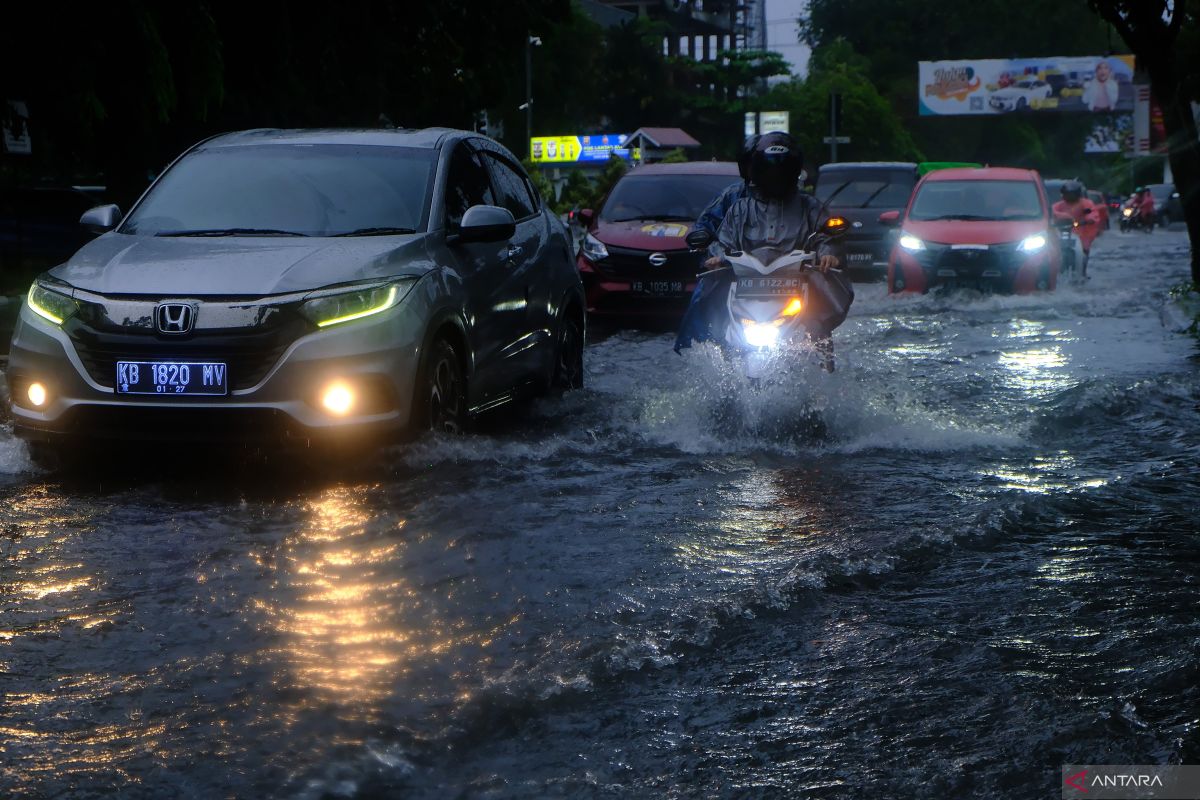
911, 243
593, 248
1032, 244
337, 306
49, 304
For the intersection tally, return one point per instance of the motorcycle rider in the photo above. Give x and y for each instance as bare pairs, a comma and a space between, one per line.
773, 214
1145, 207
711, 217
1074, 206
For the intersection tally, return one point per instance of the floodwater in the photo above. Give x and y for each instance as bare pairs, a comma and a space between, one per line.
968, 557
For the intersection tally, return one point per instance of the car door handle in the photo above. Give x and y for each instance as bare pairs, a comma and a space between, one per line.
515, 251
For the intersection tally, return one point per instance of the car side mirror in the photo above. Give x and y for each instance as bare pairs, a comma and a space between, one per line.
586, 215
487, 224
889, 218
101, 219
698, 240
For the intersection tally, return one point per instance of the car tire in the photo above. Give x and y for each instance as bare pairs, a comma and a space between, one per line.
442, 392
1020, 106
1164, 220
568, 359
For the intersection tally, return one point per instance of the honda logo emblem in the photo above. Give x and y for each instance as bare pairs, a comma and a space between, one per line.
174, 317
658, 259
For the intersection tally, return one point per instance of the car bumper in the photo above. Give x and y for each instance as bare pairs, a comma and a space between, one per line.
635, 296
378, 358
999, 269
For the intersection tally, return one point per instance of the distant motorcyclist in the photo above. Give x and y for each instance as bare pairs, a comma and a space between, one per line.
1145, 206
1074, 206
774, 214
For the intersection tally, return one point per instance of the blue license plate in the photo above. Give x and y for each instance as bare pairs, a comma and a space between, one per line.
172, 378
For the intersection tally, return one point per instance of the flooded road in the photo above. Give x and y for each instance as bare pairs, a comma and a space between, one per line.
986, 566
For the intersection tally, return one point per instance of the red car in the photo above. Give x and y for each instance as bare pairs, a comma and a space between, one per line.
634, 260
985, 228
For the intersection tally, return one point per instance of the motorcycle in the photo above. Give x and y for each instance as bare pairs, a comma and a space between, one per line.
1070, 245
1131, 220
777, 300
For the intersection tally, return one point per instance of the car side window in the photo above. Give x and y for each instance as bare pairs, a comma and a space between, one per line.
467, 185
511, 187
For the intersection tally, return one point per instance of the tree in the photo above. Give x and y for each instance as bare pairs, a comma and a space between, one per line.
1152, 29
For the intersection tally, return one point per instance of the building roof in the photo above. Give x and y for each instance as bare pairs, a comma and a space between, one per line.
605, 15
666, 137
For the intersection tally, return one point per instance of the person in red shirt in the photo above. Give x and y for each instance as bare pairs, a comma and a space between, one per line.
1146, 207
1078, 209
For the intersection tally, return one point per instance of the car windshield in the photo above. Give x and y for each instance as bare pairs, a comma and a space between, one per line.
846, 190
663, 197
977, 200
289, 189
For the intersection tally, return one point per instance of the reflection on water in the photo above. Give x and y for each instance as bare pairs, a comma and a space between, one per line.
344, 632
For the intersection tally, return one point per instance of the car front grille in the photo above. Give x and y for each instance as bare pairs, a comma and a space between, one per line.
630, 264
249, 354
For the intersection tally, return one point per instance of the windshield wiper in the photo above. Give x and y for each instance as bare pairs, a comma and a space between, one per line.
379, 231
961, 217
874, 194
232, 232
655, 218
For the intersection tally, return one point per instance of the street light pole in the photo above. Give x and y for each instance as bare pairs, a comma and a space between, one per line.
530, 43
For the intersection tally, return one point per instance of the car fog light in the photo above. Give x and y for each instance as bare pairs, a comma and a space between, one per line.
338, 399
37, 395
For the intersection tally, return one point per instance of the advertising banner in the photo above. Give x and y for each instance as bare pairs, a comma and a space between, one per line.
1088, 84
596, 147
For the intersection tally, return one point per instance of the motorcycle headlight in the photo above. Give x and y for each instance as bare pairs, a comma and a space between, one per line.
1032, 244
1128, 212
338, 306
49, 304
911, 243
593, 248
761, 334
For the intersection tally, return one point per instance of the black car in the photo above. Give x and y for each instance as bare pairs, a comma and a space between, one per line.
860, 192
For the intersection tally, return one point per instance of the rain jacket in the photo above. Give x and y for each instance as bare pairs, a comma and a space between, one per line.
711, 217
753, 223
1084, 212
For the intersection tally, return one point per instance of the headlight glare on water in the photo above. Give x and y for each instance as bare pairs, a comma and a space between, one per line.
335, 308
49, 304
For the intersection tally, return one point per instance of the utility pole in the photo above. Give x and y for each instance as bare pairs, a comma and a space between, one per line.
530, 43
835, 115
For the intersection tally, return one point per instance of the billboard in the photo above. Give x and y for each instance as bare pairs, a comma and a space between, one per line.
1056, 84
578, 149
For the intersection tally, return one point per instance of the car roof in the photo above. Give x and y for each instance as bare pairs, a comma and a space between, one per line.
838, 165
688, 168
983, 174
388, 137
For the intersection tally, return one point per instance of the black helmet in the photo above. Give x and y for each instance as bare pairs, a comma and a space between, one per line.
743, 159
1071, 191
775, 164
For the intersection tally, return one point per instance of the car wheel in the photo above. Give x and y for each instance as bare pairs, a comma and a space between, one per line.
1164, 220
568, 365
443, 396
1021, 104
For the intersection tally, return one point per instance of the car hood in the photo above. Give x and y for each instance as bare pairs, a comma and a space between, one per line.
648, 235
185, 266
974, 232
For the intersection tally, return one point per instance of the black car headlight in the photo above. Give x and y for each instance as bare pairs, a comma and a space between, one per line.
335, 306
49, 304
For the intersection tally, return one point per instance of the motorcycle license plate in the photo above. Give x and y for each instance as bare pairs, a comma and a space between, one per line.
172, 378
657, 288
768, 286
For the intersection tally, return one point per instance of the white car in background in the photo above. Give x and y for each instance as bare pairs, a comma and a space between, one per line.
1020, 96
